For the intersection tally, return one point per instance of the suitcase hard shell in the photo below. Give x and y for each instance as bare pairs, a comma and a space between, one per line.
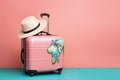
42, 53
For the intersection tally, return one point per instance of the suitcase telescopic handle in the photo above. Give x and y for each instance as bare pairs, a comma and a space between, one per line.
44, 14
48, 20
22, 51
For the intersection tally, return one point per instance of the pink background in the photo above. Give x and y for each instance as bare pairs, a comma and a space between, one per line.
90, 28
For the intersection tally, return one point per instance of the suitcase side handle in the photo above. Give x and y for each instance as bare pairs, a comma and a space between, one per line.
22, 51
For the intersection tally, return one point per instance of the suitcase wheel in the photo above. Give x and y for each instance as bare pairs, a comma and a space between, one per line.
59, 70
31, 74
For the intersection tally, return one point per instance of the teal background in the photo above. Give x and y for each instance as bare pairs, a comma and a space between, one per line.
67, 74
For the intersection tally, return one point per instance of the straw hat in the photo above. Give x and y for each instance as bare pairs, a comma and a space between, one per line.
31, 26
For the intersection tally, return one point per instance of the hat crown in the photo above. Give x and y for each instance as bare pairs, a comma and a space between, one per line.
29, 23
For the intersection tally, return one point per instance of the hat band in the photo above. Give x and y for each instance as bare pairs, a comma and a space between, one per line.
32, 29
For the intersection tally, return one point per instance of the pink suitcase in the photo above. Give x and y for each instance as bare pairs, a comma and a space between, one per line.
42, 53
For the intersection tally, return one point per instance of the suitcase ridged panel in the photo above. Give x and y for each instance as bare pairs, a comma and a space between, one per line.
37, 57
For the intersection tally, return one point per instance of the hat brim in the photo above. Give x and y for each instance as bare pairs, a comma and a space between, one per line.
43, 24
